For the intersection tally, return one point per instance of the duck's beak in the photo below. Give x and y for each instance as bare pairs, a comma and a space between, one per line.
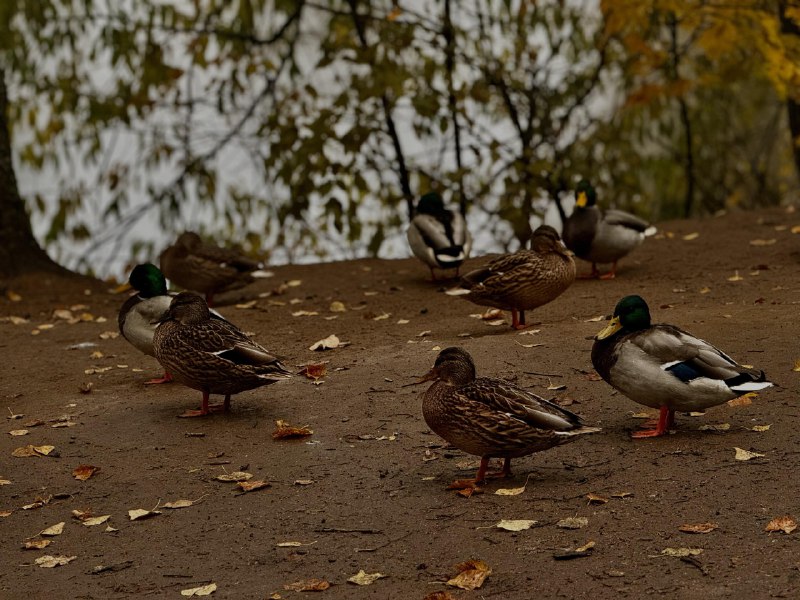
122, 287
581, 200
431, 375
613, 327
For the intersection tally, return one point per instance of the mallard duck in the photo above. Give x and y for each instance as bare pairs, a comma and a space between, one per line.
523, 280
602, 236
664, 367
438, 236
208, 269
211, 355
491, 418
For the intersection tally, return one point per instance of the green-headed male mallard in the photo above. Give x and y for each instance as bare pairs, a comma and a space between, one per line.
602, 236
438, 236
206, 268
211, 355
663, 367
523, 280
491, 418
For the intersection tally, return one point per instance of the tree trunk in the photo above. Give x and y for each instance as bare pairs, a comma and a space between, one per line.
19, 251
790, 27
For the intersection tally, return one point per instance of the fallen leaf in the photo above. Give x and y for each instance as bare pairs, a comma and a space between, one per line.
53, 530
179, 504
746, 454
439, 596
303, 481
471, 575
327, 343
736, 277
110, 529
48, 562
140, 513
761, 427
251, 486
294, 544
759, 242
305, 313
691, 236
18, 432
30, 450
516, 525
337, 306
595, 498
745, 400
573, 523
5, 482
496, 322
595, 319
556, 388
235, 476
796, 365
681, 552
38, 503
82, 515
786, 524
204, 590
309, 585
84, 472
705, 290
717, 427
382, 317
5, 513
294, 282
245, 305
13, 296
109, 335
579, 552
698, 528
315, 371
92, 521
62, 313
37, 544
285, 431
364, 578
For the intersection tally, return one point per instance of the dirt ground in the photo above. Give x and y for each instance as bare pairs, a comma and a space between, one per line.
367, 489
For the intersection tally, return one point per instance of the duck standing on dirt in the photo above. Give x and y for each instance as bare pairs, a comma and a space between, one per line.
211, 355
664, 367
438, 236
491, 418
207, 268
523, 280
602, 236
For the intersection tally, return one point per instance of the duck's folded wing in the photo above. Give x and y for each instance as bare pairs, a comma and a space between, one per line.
512, 401
620, 217
432, 232
461, 236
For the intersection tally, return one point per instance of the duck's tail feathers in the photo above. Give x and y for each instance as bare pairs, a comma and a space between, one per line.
579, 431
450, 258
748, 382
262, 274
751, 386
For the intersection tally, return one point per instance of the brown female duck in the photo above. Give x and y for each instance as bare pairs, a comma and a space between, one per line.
491, 418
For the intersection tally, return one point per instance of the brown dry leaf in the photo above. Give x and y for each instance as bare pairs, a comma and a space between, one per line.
5, 481
681, 552
761, 428
34, 423
84, 472
13, 296
315, 371
18, 432
796, 365
24, 451
691, 236
37, 544
53, 530
38, 503
698, 528
308, 585
48, 562
5, 513
204, 590
251, 486
82, 515
327, 343
515, 524
45, 450
139, 513
471, 575
337, 306
15, 320
179, 504
595, 498
364, 578
63, 314
92, 521
745, 400
742, 454
573, 523
285, 431
786, 524
235, 476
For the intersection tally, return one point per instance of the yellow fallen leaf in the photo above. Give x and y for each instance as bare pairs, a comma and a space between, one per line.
796, 365
235, 476
507, 491
698, 528
53, 530
48, 562
308, 585
5, 482
285, 431
471, 575
38, 503
84, 472
327, 343
742, 454
140, 513
761, 427
37, 544
92, 521
403, 321
516, 524
204, 590
18, 432
294, 282
786, 524
364, 578
6, 513
705, 290
178, 504
741, 401
759, 242
337, 306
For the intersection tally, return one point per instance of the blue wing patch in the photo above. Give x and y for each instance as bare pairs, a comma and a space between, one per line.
684, 371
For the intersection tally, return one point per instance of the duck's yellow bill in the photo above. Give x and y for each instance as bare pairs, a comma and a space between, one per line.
582, 200
123, 287
613, 327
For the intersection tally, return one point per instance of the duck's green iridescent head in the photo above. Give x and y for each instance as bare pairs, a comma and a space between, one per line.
585, 195
430, 204
148, 280
630, 314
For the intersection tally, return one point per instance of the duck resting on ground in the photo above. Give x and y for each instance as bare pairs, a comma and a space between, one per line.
664, 367
438, 236
523, 280
602, 236
207, 268
211, 355
491, 418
